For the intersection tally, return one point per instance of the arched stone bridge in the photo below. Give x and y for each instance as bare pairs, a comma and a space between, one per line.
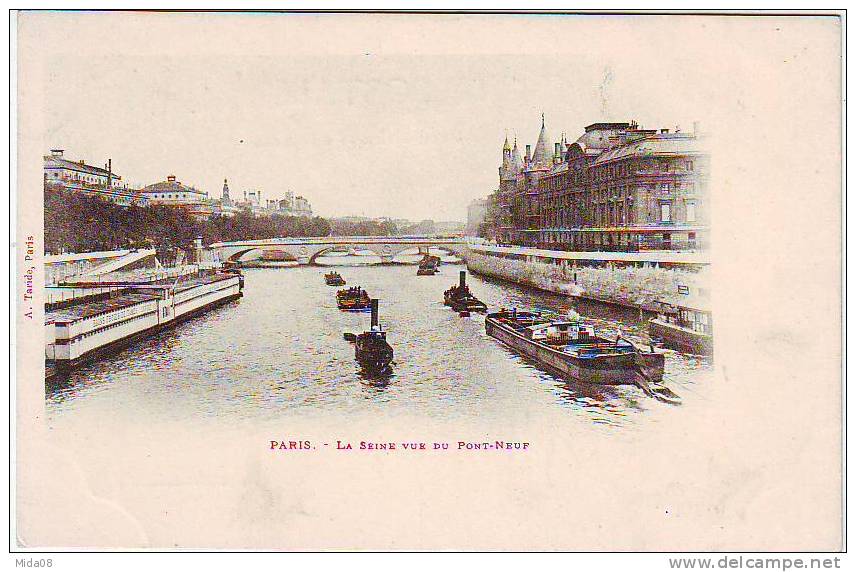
306, 250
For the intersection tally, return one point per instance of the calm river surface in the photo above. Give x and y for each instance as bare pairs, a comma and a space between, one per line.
278, 353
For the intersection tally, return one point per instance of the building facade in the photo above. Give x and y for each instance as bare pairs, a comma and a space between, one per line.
173, 193
302, 207
60, 173
618, 187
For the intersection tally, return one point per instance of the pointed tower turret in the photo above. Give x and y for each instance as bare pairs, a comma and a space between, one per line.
506, 171
542, 157
516, 160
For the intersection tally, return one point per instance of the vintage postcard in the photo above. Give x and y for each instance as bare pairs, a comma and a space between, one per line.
315, 281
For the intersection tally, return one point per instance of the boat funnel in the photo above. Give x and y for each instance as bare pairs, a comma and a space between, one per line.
374, 313
463, 280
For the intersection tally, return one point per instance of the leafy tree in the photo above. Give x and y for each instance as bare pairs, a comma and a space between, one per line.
76, 222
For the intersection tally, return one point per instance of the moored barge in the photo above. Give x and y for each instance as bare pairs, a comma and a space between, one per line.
571, 349
79, 333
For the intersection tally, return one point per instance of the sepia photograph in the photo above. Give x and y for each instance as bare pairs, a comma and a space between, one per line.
407, 281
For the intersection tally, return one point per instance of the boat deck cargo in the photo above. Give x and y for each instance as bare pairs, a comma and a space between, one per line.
353, 299
334, 279
78, 333
428, 266
573, 350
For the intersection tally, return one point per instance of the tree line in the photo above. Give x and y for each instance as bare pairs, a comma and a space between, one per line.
76, 222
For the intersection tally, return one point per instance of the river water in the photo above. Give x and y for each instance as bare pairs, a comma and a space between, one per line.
278, 353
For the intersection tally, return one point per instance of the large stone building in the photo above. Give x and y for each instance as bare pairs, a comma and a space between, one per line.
174, 194
60, 173
302, 207
617, 187
289, 205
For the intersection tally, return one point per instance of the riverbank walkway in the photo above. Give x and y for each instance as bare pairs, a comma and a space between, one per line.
665, 258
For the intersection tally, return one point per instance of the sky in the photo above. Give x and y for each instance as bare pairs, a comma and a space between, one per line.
400, 116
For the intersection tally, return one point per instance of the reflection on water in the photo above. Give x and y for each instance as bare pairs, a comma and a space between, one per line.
279, 352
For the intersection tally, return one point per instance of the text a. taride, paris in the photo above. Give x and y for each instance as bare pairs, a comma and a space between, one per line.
30, 271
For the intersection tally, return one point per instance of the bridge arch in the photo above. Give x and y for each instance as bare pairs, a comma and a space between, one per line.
307, 250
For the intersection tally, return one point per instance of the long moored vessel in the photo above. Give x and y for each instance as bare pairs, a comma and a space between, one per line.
573, 350
79, 332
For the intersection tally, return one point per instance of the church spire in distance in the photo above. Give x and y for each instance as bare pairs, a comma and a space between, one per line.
226, 199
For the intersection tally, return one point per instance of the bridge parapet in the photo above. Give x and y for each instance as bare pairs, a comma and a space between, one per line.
306, 250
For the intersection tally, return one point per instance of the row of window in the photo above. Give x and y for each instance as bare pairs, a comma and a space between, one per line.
617, 213
74, 176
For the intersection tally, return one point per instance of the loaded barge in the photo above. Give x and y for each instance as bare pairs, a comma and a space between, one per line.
79, 333
573, 350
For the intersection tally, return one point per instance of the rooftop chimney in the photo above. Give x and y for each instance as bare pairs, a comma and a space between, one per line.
664, 130
56, 152
171, 178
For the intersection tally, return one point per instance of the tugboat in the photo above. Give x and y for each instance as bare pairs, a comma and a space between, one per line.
571, 349
334, 279
353, 299
461, 299
428, 266
371, 349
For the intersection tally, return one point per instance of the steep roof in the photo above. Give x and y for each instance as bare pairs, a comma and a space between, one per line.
542, 156
54, 162
516, 159
653, 146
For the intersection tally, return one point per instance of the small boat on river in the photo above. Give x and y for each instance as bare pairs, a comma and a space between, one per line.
334, 279
353, 299
428, 266
571, 349
460, 299
371, 350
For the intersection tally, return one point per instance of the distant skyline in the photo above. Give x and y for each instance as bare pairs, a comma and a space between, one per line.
397, 116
